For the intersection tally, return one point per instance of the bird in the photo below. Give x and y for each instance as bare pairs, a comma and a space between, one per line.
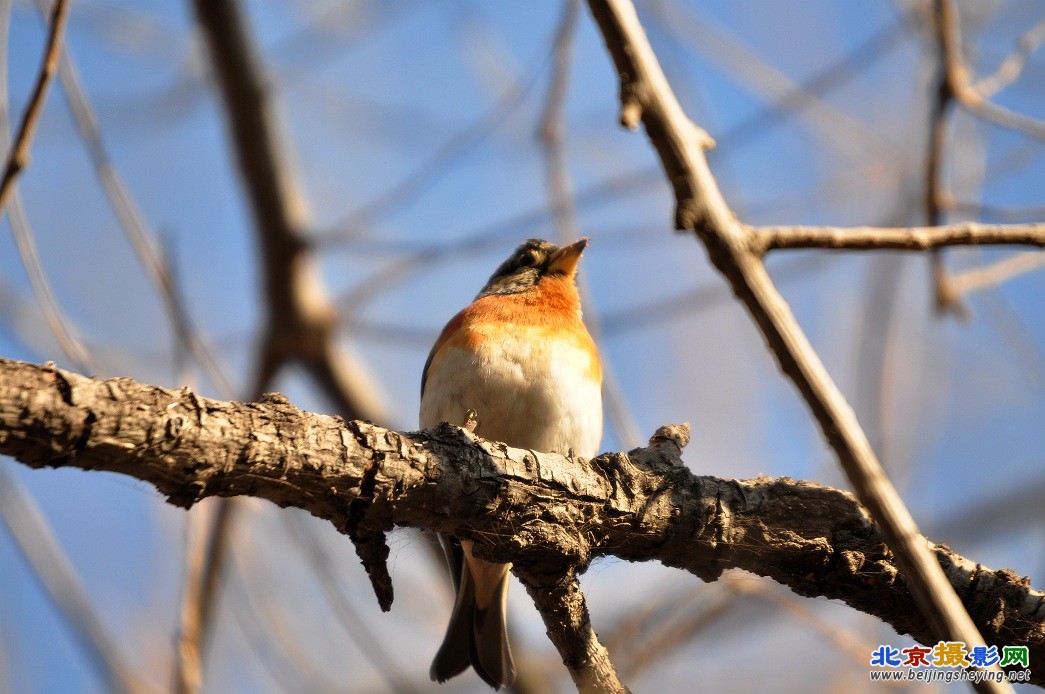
520, 358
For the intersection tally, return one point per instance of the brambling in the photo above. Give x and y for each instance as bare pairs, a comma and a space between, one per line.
520, 357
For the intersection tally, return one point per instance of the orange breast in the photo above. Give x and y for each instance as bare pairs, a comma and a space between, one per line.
552, 307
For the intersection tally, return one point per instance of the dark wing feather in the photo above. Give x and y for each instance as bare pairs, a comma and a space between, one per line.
428, 363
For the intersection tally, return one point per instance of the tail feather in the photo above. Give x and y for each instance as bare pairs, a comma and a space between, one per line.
475, 636
454, 655
491, 656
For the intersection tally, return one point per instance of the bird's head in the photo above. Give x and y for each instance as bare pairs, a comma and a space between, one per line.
532, 261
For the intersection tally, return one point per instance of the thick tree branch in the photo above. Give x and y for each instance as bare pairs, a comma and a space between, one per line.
546, 513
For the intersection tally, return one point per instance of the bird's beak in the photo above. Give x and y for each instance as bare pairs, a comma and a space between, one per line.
565, 259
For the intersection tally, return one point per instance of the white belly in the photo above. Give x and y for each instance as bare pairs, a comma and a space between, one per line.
528, 393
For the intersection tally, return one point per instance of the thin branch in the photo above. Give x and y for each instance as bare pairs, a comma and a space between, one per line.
855, 648
18, 156
300, 318
896, 239
960, 81
733, 248
648, 650
25, 241
705, 297
34, 540
437, 165
358, 631
808, 93
1012, 214
790, 102
27, 526
552, 135
1010, 69
64, 333
1023, 342
620, 322
548, 514
255, 608
140, 236
488, 237
832, 77
996, 273
935, 197
735, 591
840, 130
206, 551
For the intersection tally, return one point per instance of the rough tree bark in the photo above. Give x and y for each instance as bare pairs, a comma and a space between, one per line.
550, 515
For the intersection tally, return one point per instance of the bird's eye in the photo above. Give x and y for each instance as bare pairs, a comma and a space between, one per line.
530, 259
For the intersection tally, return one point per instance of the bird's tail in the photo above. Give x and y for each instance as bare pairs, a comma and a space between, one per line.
476, 636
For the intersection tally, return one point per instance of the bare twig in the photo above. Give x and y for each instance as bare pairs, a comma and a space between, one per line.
438, 164
260, 620
996, 273
34, 540
841, 639
1023, 342
26, 242
840, 130
807, 93
789, 102
486, 238
1012, 214
27, 526
620, 322
140, 236
56, 321
301, 321
1010, 69
18, 156
358, 631
960, 80
896, 239
633, 626
733, 248
552, 135
206, 554
702, 298
935, 196
647, 650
